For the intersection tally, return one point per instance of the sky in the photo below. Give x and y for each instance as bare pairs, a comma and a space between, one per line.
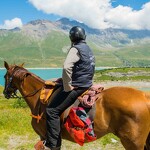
100, 14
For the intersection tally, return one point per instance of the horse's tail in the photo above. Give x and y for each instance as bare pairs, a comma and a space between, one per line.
147, 144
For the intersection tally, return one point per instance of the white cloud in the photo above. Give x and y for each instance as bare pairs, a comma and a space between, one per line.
10, 24
126, 17
97, 13
90, 12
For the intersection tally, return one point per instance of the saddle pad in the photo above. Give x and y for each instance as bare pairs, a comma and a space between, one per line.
46, 91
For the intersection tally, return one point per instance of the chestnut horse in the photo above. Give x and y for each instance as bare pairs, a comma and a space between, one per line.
123, 111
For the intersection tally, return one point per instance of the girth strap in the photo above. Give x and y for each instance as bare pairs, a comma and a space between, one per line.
38, 117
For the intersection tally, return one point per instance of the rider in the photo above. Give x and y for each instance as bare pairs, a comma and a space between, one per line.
78, 71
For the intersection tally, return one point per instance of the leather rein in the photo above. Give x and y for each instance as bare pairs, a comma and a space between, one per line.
13, 89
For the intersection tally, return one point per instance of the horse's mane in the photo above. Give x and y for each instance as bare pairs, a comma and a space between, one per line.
24, 72
37, 77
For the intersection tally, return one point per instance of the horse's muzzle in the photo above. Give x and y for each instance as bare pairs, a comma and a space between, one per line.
6, 94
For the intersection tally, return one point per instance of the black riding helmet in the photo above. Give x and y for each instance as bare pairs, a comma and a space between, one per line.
77, 33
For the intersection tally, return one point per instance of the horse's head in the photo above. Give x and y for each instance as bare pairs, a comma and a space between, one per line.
11, 80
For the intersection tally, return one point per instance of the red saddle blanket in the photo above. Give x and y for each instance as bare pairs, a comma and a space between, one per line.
79, 126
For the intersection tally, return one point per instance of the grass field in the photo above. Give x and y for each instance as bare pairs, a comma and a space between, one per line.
16, 132
123, 74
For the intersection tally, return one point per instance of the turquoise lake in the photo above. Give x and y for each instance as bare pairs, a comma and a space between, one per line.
47, 73
42, 73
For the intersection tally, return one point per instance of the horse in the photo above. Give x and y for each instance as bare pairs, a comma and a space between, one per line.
120, 110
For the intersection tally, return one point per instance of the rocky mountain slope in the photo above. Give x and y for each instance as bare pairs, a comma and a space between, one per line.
40, 41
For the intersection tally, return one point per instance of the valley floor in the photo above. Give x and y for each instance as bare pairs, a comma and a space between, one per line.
142, 85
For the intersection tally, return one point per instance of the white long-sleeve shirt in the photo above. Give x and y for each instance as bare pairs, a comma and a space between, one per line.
72, 57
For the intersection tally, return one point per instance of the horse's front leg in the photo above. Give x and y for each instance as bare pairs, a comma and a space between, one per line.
39, 128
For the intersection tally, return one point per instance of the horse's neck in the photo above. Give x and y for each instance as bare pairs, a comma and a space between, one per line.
28, 90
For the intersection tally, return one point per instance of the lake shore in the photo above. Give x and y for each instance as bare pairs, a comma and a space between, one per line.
134, 84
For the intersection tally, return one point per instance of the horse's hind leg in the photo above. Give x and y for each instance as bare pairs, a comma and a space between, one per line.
129, 145
133, 135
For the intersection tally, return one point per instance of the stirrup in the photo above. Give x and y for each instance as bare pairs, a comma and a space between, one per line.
40, 145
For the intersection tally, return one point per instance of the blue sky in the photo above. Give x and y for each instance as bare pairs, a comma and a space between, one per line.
10, 9
96, 13
135, 4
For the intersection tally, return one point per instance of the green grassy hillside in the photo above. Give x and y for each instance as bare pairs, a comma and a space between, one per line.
138, 55
16, 48
50, 51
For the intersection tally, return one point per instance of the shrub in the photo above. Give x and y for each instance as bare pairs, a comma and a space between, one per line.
20, 103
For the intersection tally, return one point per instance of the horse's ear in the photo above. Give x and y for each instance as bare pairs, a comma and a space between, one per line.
6, 65
21, 65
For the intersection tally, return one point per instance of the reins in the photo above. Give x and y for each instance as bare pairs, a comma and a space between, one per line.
29, 95
21, 74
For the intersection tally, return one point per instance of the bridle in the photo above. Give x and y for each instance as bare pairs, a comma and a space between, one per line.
10, 90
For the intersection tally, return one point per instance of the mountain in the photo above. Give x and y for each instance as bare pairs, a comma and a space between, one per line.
43, 43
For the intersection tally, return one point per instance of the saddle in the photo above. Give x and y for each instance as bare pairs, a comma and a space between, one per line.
87, 99
47, 91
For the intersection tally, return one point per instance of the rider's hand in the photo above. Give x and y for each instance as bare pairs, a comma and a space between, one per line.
72, 87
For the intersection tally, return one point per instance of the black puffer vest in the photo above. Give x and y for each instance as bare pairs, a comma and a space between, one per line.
83, 70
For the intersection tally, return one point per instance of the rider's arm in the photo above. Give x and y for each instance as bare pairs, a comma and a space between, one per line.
71, 59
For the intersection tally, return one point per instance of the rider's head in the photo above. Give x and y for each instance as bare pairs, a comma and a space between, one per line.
76, 34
